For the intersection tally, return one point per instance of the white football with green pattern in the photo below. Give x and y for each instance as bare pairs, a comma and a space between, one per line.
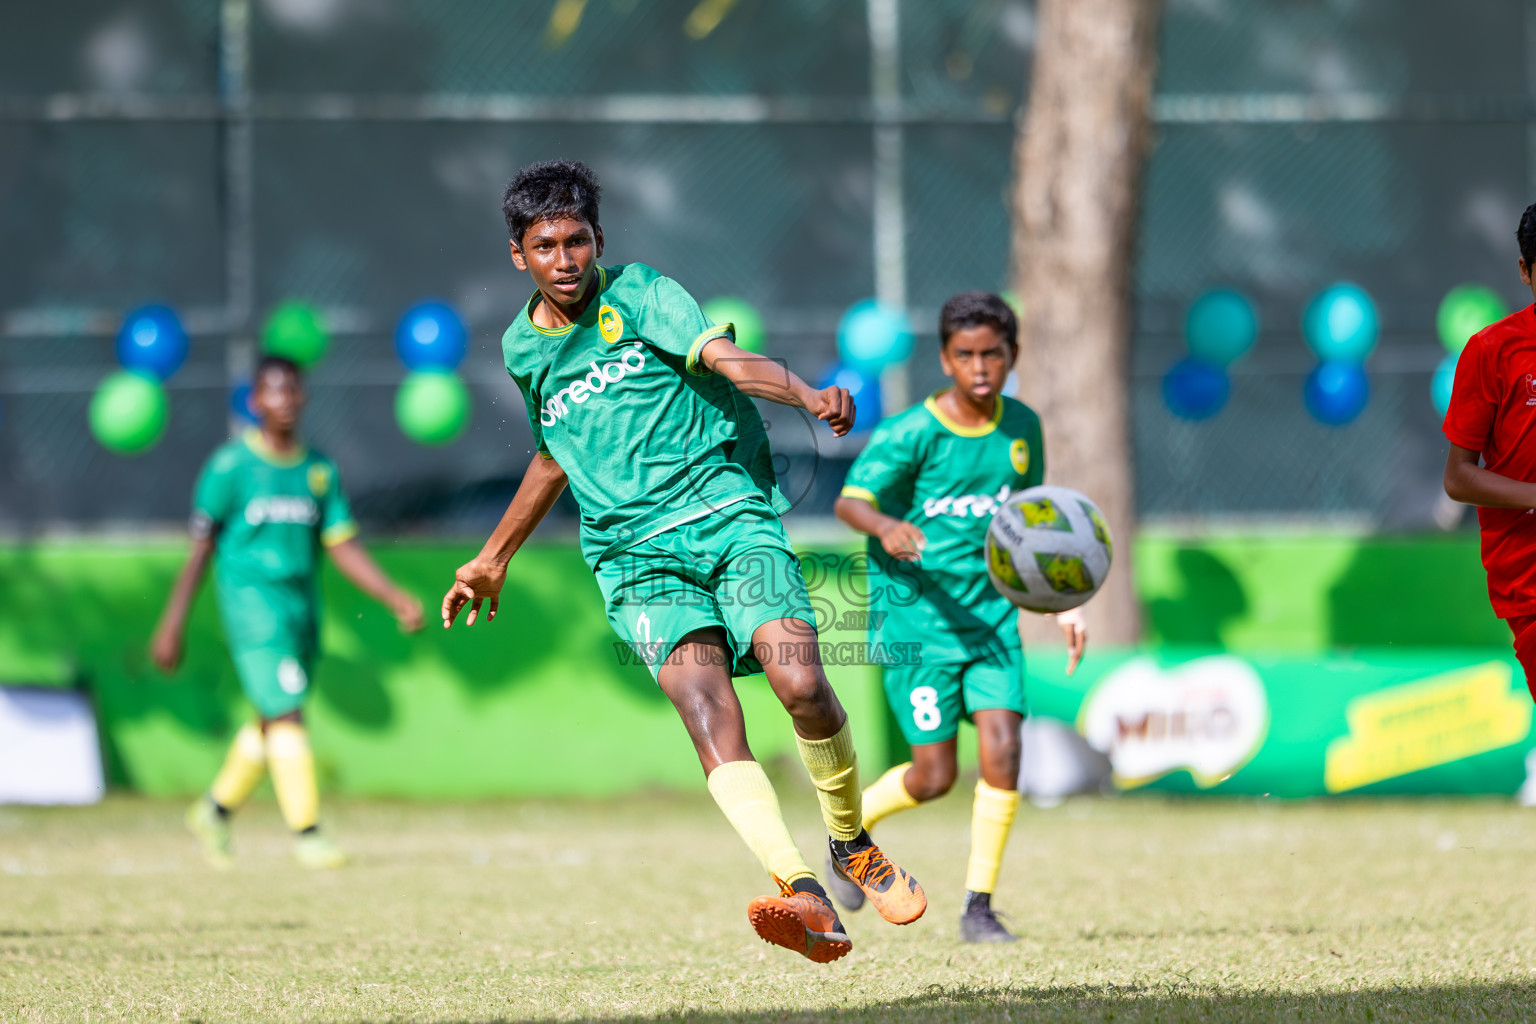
1048, 549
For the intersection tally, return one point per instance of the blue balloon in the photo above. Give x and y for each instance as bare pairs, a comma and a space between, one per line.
863, 388
1335, 393
1442, 382
152, 342
871, 337
240, 402
430, 336
1220, 326
1340, 324
1195, 390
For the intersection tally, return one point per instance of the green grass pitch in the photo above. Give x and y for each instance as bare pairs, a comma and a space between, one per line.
1137, 909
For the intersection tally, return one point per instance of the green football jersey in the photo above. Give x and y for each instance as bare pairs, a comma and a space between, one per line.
648, 438
946, 479
270, 513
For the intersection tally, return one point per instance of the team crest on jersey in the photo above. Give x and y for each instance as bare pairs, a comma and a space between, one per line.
1530, 388
319, 480
1018, 454
609, 324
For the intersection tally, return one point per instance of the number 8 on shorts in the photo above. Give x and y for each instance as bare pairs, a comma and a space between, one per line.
930, 700
925, 708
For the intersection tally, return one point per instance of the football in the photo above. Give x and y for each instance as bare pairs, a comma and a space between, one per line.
1048, 549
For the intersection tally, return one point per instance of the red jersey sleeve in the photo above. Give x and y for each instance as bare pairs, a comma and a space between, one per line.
1469, 419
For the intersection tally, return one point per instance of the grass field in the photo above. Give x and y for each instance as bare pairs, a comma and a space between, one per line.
1131, 910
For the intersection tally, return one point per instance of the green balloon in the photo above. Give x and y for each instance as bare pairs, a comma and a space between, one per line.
727, 309
432, 406
128, 413
294, 331
1465, 310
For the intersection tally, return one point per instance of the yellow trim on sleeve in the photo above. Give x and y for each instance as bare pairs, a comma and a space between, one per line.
850, 491
932, 405
545, 455
726, 331
338, 533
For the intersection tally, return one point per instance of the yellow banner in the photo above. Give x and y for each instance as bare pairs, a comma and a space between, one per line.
1426, 723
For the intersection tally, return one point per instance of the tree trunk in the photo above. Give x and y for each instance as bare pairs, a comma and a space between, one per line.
1078, 158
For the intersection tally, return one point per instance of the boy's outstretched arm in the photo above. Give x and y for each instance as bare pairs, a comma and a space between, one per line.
482, 577
358, 566
1471, 484
900, 538
165, 649
762, 377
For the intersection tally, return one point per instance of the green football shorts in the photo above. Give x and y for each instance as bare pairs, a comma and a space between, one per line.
733, 569
930, 700
275, 679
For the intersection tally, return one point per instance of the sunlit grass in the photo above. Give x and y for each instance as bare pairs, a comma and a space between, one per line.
1132, 909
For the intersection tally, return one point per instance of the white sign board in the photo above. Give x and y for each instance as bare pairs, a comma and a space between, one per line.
1208, 717
49, 752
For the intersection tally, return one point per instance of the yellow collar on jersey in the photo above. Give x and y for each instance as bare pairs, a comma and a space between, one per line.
266, 453
555, 332
931, 403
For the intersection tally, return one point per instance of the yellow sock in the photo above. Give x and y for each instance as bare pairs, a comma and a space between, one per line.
991, 818
834, 769
293, 774
887, 796
243, 767
743, 791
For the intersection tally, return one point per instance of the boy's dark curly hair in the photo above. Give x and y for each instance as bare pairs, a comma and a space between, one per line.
1525, 234
271, 362
552, 188
978, 309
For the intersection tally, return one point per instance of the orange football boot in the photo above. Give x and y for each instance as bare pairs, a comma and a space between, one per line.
895, 894
801, 921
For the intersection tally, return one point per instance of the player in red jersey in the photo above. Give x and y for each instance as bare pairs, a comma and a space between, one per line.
1493, 416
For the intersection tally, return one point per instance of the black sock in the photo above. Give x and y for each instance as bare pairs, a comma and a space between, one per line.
848, 847
219, 809
977, 902
809, 885
310, 831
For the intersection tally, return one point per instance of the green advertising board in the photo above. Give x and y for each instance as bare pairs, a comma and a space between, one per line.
1374, 722
544, 701
1364, 687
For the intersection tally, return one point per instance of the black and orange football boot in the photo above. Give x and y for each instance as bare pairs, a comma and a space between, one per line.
894, 893
802, 920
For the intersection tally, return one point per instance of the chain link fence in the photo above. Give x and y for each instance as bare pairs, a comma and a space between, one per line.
225, 155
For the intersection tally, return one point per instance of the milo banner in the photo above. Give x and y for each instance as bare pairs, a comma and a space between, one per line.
1200, 721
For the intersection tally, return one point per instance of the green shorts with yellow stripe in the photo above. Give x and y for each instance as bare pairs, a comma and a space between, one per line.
930, 700
733, 570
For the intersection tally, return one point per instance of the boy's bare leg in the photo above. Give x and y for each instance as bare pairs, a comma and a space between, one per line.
787, 648
696, 678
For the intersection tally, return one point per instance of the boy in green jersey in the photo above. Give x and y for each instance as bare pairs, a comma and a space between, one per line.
642, 405
264, 506
924, 490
